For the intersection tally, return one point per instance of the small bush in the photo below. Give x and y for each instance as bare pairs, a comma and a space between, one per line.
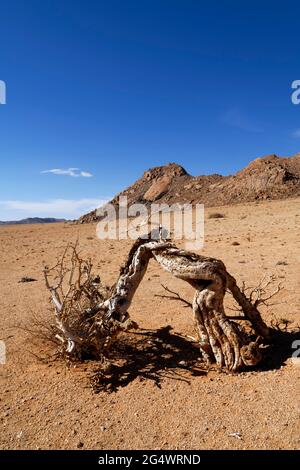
27, 279
216, 215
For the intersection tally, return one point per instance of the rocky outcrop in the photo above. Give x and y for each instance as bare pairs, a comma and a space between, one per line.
269, 177
158, 188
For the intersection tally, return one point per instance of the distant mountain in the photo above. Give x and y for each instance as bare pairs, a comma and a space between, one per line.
269, 177
32, 220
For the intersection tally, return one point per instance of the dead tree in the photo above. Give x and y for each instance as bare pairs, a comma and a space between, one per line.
89, 315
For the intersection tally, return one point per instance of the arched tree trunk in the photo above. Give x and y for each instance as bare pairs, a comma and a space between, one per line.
221, 340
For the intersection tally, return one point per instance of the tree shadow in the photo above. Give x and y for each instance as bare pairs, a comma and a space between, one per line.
280, 349
159, 354
149, 355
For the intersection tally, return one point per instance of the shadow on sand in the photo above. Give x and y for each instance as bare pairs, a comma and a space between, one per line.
150, 355
281, 348
158, 354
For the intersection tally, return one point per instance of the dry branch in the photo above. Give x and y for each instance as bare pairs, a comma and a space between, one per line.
175, 296
89, 315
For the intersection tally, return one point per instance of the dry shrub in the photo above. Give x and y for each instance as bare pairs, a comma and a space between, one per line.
77, 296
216, 215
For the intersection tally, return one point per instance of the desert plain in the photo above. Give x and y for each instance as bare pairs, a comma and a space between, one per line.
157, 401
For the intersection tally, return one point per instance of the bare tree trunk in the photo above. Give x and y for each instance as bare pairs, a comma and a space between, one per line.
221, 340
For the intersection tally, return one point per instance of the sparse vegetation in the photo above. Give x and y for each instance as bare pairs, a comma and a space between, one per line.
89, 315
154, 367
27, 279
77, 295
216, 215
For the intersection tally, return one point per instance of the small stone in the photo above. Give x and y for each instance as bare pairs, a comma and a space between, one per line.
183, 363
235, 434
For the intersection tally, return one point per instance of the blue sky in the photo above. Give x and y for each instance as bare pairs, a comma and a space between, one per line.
102, 90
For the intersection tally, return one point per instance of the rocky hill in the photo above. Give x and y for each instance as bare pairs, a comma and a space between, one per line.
269, 177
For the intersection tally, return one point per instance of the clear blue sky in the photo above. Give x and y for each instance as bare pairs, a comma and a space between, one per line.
114, 87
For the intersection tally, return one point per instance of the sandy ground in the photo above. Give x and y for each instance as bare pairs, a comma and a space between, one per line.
156, 403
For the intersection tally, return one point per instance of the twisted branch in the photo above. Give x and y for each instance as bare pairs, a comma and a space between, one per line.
89, 315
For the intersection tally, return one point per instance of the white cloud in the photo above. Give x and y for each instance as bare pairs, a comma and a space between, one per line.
60, 208
296, 134
74, 172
